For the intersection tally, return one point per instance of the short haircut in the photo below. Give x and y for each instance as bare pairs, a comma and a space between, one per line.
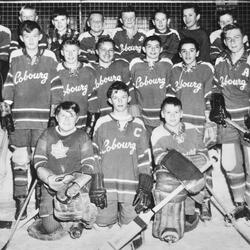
29, 26
95, 12
172, 101
27, 6
59, 12
115, 86
191, 6
188, 40
128, 9
231, 27
68, 105
224, 12
163, 11
70, 42
104, 39
152, 38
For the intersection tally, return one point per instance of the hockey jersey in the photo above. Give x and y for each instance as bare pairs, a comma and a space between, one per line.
65, 154
78, 87
32, 87
123, 155
169, 40
233, 81
190, 142
128, 48
5, 35
193, 87
150, 83
88, 45
104, 77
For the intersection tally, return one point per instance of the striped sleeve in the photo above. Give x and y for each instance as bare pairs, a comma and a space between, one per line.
9, 88
4, 43
40, 156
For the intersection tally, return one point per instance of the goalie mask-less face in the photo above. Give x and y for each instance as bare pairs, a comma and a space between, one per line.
66, 120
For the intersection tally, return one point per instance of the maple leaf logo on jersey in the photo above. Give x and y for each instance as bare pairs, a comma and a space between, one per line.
58, 150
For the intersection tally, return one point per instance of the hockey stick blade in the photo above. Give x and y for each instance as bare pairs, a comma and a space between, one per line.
128, 232
225, 212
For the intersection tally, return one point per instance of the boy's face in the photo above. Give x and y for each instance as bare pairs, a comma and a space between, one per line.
28, 14
66, 120
225, 20
188, 53
190, 18
161, 22
31, 39
60, 23
128, 19
234, 40
106, 52
152, 50
119, 100
172, 115
96, 22
70, 53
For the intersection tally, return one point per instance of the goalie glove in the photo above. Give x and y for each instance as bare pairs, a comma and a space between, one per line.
218, 112
97, 191
6, 117
143, 197
58, 182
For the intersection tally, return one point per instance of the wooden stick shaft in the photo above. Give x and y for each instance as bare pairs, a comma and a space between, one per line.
237, 126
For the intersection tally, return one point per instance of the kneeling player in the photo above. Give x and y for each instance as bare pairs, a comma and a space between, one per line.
175, 218
64, 162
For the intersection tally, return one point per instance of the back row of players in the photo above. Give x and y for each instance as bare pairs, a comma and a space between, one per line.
89, 65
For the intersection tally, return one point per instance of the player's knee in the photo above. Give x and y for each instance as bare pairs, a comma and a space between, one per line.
20, 156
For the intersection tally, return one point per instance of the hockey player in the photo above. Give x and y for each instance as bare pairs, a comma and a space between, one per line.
60, 31
171, 222
77, 80
231, 82
89, 38
32, 89
64, 162
191, 17
169, 37
150, 78
27, 12
224, 17
129, 39
128, 182
191, 82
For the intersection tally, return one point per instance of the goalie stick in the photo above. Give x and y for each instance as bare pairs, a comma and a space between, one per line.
129, 231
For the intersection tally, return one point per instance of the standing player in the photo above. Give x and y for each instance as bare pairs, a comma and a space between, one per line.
128, 182
150, 79
27, 12
77, 80
191, 17
232, 82
191, 82
60, 31
88, 39
32, 89
169, 37
129, 39
170, 223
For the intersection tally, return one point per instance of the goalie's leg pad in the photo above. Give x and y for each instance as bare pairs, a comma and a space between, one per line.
168, 223
180, 166
37, 230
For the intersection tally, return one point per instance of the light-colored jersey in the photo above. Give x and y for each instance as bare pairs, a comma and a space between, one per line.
150, 83
123, 155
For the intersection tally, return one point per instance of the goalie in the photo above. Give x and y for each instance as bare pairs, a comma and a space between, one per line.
178, 151
65, 163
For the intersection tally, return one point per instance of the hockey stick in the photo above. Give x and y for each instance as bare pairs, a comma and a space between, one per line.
227, 214
237, 126
128, 232
20, 215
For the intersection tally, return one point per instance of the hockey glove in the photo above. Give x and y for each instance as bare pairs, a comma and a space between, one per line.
52, 122
58, 182
6, 117
97, 191
143, 197
218, 112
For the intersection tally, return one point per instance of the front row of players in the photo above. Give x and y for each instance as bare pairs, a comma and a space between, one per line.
65, 159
